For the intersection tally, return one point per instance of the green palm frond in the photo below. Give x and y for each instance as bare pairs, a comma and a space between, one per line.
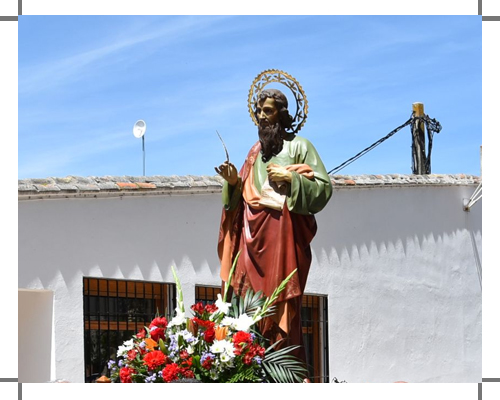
249, 304
283, 367
252, 302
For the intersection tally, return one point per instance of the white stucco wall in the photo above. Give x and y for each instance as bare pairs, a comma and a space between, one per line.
397, 264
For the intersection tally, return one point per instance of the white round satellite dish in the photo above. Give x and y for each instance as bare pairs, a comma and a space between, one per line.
139, 129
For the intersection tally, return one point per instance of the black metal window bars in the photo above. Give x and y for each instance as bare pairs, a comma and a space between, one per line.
114, 310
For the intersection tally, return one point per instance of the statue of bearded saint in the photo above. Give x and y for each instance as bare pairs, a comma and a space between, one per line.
273, 118
268, 216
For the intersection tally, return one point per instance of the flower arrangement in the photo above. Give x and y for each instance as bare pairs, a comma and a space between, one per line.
219, 343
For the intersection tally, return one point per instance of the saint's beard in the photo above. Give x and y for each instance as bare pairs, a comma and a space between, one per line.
271, 140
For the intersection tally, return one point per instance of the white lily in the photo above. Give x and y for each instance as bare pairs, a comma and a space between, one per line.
222, 306
243, 323
228, 321
125, 348
179, 319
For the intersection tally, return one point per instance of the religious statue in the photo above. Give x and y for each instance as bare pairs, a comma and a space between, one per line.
269, 206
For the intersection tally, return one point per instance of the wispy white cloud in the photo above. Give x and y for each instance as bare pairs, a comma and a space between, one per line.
40, 77
57, 157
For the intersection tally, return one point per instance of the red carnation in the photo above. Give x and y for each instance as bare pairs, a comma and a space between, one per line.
170, 372
242, 337
155, 359
126, 374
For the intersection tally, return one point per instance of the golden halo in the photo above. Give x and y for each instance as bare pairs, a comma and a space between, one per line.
273, 75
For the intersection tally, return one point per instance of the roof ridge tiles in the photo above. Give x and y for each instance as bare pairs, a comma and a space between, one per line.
199, 183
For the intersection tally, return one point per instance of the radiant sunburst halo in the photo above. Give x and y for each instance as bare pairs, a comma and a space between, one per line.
273, 75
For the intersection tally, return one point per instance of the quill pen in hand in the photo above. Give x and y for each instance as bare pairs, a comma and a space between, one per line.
225, 149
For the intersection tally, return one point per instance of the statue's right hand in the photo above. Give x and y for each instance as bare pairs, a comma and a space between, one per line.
228, 172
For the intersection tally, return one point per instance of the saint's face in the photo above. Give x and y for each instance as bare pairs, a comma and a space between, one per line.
267, 113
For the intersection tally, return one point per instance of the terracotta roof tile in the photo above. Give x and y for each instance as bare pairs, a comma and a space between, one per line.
145, 185
127, 185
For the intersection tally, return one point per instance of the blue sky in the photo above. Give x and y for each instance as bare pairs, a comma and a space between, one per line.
85, 80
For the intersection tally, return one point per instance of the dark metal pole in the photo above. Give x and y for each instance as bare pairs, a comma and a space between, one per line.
143, 157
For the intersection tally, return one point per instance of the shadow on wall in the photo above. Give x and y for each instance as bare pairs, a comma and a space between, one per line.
117, 236
402, 280
146, 235
364, 218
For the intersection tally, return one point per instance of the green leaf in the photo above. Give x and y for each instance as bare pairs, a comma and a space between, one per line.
271, 299
230, 278
235, 306
162, 346
180, 300
196, 361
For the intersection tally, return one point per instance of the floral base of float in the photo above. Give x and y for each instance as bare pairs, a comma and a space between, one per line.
219, 343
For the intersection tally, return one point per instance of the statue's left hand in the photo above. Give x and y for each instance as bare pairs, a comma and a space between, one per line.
278, 173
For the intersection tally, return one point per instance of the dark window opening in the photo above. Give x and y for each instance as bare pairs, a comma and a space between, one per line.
207, 294
315, 333
113, 311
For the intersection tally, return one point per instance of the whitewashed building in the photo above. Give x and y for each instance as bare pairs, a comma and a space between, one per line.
394, 292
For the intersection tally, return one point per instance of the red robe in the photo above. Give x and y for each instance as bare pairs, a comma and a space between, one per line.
272, 244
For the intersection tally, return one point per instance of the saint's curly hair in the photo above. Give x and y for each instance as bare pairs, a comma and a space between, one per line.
281, 102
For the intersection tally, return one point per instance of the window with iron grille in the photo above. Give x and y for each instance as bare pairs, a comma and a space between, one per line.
315, 333
314, 317
207, 294
114, 310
